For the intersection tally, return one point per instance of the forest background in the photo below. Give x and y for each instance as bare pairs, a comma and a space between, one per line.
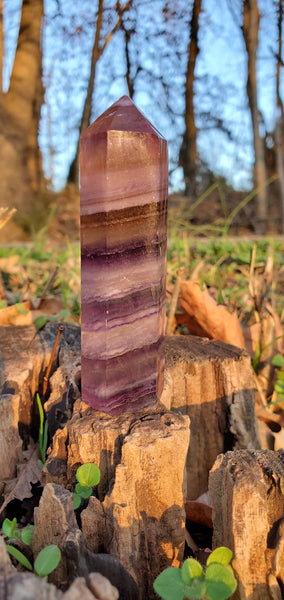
208, 75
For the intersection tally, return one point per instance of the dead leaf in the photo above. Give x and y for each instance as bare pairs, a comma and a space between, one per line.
10, 263
269, 417
198, 512
29, 472
18, 314
24, 313
203, 316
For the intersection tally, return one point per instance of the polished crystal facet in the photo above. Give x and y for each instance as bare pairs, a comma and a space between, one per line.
124, 181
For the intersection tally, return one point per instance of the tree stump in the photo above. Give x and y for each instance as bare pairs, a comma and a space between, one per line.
148, 467
210, 381
141, 518
247, 492
24, 357
213, 383
55, 523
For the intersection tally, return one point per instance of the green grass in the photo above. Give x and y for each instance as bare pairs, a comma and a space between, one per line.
224, 269
226, 265
27, 277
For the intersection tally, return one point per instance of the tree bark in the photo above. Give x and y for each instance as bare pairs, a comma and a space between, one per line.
251, 18
188, 152
20, 161
1, 50
211, 382
280, 115
22, 94
247, 493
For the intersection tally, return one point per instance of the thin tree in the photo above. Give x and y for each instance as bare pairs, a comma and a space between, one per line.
97, 51
250, 29
129, 79
280, 113
188, 157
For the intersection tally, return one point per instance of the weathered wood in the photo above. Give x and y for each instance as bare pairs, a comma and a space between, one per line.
24, 586
141, 520
212, 382
247, 492
10, 441
139, 514
208, 380
53, 520
55, 523
102, 588
24, 357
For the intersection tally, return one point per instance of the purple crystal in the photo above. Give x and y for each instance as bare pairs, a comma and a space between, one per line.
124, 184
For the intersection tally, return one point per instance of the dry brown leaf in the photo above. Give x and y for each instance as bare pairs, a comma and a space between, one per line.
199, 513
11, 315
10, 264
203, 316
266, 415
29, 472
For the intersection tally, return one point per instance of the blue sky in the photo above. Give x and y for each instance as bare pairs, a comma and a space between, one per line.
221, 70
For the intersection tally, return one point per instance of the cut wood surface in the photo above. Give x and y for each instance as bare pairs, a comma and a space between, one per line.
213, 383
247, 492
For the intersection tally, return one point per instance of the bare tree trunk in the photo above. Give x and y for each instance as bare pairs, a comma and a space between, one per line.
1, 50
280, 115
250, 29
20, 161
22, 95
73, 175
188, 152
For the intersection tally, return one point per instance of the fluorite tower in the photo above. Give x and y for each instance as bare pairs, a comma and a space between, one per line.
124, 182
